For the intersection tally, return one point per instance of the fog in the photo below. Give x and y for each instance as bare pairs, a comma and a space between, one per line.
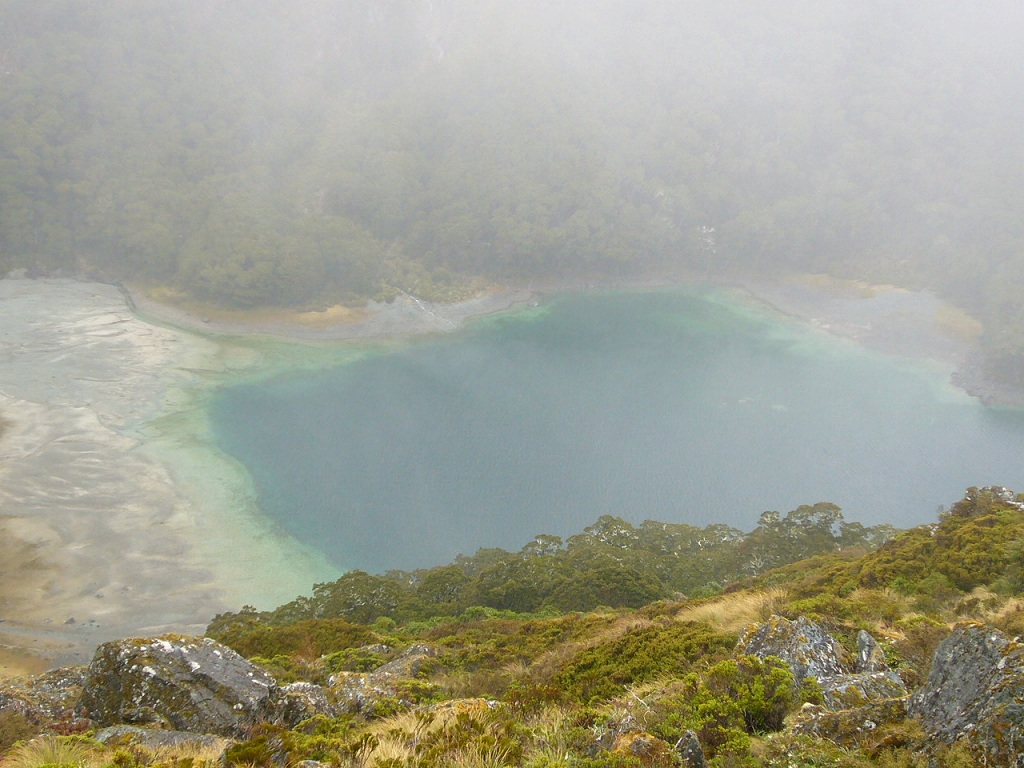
310, 153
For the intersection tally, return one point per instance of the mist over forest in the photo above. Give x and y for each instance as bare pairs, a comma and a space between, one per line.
323, 151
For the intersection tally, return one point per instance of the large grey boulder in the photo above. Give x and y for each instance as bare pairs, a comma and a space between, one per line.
808, 649
180, 683
975, 691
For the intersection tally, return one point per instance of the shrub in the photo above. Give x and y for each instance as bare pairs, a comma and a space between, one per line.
661, 650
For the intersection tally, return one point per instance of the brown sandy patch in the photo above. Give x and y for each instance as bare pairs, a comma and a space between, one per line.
404, 316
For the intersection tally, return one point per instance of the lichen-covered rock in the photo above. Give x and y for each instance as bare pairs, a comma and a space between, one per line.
619, 723
808, 649
870, 658
856, 690
648, 750
690, 751
43, 698
848, 727
362, 692
301, 701
152, 738
975, 692
187, 684
408, 664
811, 652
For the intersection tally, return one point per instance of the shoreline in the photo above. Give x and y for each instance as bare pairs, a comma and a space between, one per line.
885, 318
406, 315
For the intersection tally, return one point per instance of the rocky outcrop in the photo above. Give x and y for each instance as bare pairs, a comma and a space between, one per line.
859, 694
178, 683
43, 698
847, 727
301, 701
643, 748
975, 692
806, 647
859, 689
811, 652
363, 692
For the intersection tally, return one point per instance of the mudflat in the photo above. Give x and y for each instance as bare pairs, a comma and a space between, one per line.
95, 539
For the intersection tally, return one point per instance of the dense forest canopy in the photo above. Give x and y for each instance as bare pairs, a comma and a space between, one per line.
332, 150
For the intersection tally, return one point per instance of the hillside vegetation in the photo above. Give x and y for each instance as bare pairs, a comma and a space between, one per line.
306, 154
436, 668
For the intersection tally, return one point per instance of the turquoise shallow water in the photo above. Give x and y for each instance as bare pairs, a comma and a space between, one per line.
682, 406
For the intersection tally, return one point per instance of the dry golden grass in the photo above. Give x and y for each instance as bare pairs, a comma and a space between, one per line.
735, 612
50, 750
394, 749
395, 738
192, 752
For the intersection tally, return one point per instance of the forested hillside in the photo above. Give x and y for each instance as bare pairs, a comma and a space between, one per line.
330, 150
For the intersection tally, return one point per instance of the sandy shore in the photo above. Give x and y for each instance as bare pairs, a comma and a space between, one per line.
406, 315
112, 523
98, 536
885, 318
115, 518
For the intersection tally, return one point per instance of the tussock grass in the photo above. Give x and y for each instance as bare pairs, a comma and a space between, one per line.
50, 750
735, 612
191, 752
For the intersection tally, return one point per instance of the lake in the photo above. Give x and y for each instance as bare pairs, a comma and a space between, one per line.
677, 405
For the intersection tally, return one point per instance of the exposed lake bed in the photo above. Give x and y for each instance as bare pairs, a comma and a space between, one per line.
112, 488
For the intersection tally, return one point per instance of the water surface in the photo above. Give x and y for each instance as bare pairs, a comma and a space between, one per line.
682, 406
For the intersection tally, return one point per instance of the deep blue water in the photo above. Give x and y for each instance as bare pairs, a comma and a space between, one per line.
666, 405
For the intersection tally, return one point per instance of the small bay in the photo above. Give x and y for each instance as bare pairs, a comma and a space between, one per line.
692, 406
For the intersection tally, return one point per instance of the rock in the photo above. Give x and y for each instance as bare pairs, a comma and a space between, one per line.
187, 684
806, 647
362, 692
812, 652
975, 692
43, 698
849, 727
151, 738
618, 725
301, 701
856, 690
408, 664
690, 751
648, 750
870, 658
